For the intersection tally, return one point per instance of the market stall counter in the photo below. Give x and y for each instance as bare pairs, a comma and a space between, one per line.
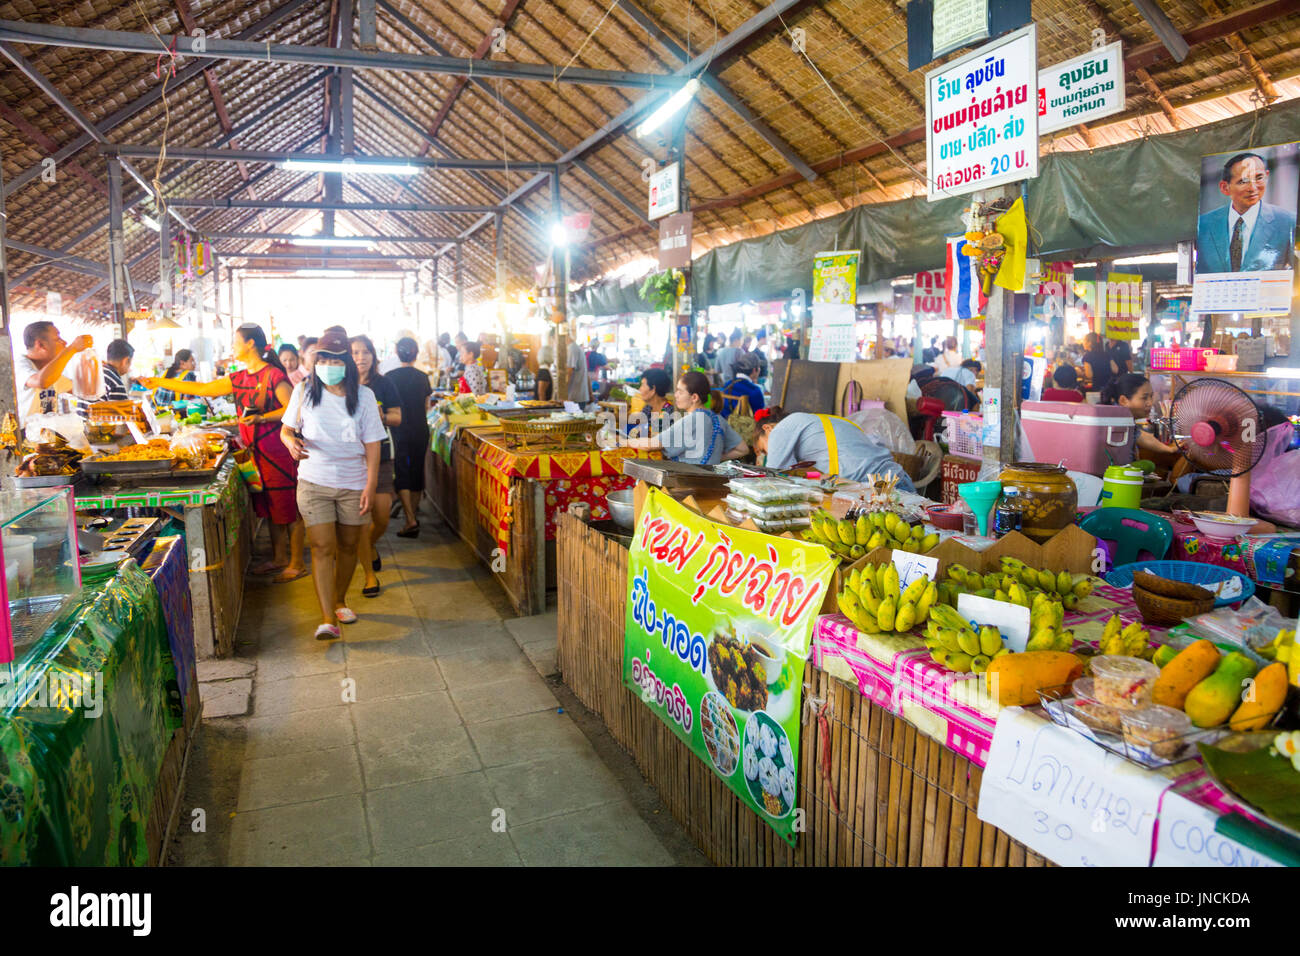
504, 498
218, 520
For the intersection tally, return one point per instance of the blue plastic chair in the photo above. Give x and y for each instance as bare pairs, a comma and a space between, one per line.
1132, 531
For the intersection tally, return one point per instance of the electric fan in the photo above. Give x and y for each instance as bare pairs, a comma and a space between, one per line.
937, 396
1219, 428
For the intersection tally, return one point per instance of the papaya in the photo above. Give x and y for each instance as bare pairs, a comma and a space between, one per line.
1212, 701
1192, 665
1017, 678
1270, 694
1164, 654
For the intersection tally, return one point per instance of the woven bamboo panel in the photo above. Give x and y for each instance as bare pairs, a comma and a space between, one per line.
893, 797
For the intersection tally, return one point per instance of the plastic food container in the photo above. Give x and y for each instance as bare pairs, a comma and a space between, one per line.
772, 511
1123, 682
1090, 711
765, 491
1157, 730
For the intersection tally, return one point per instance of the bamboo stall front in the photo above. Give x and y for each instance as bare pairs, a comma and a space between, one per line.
876, 791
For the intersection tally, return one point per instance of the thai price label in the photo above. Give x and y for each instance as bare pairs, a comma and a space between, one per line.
719, 625
981, 117
1081, 90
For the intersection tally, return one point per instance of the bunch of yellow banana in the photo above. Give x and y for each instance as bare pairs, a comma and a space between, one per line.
871, 600
1046, 627
1068, 588
1284, 649
1130, 641
960, 648
854, 537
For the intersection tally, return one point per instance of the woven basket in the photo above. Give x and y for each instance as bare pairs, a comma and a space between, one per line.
580, 433
1161, 611
914, 465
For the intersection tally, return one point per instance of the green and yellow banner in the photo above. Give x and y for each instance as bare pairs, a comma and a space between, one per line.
719, 625
835, 277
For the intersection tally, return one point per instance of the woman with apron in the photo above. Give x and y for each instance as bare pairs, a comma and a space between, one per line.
261, 391
700, 436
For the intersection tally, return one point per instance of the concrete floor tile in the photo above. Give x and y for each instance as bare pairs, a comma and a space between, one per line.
455, 638
484, 664
479, 849
503, 698
320, 657
227, 669
543, 656
394, 717
420, 754
552, 785
527, 737
539, 627
226, 698
430, 811
608, 835
393, 679
367, 649
298, 693
281, 734
319, 833
298, 778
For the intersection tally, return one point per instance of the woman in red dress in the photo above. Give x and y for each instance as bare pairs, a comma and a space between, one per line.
261, 391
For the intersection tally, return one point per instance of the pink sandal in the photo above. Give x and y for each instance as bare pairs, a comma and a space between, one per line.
328, 632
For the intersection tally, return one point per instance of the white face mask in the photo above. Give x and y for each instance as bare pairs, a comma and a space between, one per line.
330, 374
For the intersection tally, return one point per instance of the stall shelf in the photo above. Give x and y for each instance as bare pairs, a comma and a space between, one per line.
218, 521
96, 782
877, 791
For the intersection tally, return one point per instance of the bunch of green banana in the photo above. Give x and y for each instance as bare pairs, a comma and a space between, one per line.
1130, 641
1046, 626
961, 648
854, 537
871, 600
1067, 587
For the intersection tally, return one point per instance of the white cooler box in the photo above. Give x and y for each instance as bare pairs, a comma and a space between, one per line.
1083, 437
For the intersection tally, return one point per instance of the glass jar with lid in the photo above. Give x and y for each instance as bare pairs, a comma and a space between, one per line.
1048, 497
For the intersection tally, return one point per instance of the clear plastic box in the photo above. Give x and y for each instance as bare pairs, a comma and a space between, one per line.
38, 546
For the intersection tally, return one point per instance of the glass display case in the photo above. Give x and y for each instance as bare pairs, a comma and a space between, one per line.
38, 546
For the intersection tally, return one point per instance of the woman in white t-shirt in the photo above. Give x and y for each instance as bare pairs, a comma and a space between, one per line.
332, 428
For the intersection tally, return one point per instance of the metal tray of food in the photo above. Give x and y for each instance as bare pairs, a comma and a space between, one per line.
211, 472
44, 481
160, 466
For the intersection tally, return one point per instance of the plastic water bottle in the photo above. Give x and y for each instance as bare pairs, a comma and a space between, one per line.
1007, 515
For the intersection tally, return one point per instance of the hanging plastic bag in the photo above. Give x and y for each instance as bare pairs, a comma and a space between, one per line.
1275, 481
248, 471
87, 376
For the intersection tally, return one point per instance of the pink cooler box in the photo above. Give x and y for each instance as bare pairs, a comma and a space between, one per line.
1083, 437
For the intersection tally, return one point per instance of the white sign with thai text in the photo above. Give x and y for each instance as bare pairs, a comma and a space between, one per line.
954, 23
663, 192
981, 117
1187, 838
1081, 90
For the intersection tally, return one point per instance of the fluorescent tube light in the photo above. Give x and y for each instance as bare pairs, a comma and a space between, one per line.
151, 222
669, 107
348, 166
332, 241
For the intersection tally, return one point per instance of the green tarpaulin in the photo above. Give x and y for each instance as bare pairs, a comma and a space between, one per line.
1138, 194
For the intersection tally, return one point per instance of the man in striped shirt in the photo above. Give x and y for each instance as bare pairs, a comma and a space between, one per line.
116, 369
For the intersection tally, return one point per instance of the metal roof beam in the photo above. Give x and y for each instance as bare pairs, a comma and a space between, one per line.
289, 236
116, 119
361, 164
722, 91
198, 202
342, 255
1160, 23
60, 260
123, 41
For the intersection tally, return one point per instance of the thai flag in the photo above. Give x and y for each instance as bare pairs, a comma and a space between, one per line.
961, 283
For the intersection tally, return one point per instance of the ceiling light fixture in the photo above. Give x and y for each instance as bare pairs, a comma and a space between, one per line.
332, 242
348, 166
326, 273
151, 222
669, 107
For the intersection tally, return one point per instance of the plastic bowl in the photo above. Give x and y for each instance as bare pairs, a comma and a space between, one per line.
1219, 525
1123, 682
1157, 730
944, 518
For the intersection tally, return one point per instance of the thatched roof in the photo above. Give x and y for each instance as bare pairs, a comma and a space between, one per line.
834, 107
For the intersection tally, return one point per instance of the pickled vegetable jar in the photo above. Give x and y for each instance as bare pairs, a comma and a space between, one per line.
1048, 497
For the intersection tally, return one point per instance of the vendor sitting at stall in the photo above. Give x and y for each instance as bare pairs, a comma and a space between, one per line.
701, 436
1133, 392
743, 385
1064, 387
656, 414
834, 446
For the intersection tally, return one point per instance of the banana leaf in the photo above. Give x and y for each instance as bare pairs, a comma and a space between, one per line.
1268, 783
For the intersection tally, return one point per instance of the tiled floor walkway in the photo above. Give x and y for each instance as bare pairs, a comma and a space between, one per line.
429, 735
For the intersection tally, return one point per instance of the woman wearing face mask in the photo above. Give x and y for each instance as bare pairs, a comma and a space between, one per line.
332, 428
390, 413
261, 391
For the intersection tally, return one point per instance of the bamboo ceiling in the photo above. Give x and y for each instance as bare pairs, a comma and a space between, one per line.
834, 104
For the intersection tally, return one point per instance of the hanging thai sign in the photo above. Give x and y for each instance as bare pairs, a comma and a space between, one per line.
577, 225
664, 191
719, 623
981, 117
1081, 90
675, 241
928, 297
1123, 305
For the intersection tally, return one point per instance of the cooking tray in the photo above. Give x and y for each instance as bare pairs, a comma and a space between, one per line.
44, 481
147, 466
202, 472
